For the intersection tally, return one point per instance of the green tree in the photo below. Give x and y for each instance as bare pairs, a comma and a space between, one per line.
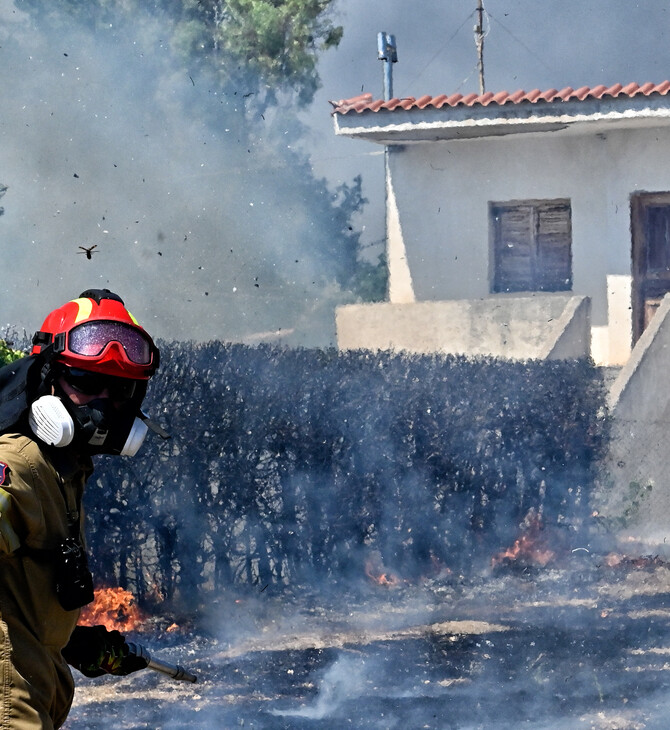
278, 41
270, 46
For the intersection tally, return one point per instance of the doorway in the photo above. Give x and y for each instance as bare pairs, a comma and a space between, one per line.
650, 226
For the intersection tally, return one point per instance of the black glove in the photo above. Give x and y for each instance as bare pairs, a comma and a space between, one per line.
95, 651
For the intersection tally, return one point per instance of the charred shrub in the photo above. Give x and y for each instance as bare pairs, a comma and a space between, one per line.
286, 465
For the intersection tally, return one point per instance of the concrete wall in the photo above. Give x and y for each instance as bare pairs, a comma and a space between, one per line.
515, 327
443, 190
400, 289
636, 493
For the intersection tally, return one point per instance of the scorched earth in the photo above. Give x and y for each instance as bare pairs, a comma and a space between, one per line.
586, 645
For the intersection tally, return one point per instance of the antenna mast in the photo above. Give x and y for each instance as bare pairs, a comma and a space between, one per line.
388, 53
479, 40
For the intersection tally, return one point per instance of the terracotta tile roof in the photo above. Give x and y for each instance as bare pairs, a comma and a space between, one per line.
366, 102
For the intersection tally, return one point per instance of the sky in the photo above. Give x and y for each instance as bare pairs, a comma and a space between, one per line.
95, 151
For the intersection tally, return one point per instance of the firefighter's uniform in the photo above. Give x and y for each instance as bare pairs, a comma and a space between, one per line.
40, 494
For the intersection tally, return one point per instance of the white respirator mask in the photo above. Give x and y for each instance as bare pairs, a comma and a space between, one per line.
53, 424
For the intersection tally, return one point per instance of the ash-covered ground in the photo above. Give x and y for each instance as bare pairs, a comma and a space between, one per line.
584, 646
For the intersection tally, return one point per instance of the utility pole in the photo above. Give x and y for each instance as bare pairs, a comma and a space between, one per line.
479, 40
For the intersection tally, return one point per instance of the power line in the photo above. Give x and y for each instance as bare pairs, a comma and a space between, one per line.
441, 48
520, 42
467, 78
489, 17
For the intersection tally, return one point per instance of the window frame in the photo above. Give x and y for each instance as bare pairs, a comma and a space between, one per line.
539, 276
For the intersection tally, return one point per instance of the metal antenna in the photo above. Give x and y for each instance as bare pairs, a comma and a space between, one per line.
387, 52
479, 40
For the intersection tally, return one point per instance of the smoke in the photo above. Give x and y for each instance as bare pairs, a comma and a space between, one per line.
108, 145
105, 144
344, 680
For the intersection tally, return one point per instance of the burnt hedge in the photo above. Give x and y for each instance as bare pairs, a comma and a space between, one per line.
294, 465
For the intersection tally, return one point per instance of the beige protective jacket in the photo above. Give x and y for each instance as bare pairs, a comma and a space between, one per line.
37, 490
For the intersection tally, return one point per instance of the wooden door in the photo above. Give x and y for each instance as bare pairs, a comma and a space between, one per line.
650, 225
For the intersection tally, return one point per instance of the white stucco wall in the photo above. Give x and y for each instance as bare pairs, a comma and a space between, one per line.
543, 326
443, 189
634, 494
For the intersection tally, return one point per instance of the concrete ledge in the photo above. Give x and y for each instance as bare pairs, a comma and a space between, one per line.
536, 326
643, 384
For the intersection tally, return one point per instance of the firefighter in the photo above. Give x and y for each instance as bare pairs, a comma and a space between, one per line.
77, 394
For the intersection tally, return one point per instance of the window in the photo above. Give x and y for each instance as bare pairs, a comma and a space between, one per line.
532, 242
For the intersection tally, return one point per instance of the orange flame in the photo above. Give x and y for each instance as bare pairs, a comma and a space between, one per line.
380, 576
114, 608
528, 548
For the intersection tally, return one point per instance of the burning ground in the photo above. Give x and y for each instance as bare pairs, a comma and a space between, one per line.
581, 642
380, 542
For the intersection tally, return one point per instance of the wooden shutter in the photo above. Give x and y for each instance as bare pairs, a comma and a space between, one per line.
554, 234
532, 246
513, 244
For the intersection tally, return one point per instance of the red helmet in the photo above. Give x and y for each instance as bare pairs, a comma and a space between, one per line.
96, 332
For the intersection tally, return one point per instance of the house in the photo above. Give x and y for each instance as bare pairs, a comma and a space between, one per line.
507, 212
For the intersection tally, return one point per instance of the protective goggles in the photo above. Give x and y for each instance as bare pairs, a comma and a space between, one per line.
89, 383
90, 339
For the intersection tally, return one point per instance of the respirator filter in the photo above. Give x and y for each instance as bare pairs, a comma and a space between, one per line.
50, 421
135, 438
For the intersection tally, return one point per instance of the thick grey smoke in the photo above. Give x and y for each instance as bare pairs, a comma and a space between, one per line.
112, 182
96, 151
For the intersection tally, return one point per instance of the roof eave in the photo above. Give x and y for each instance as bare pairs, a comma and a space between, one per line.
401, 126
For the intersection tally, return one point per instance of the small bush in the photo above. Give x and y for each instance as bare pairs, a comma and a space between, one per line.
8, 353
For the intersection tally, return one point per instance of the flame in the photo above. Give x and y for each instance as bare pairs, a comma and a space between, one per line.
380, 576
114, 608
528, 548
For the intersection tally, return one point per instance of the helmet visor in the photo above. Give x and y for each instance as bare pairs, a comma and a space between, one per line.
91, 338
88, 383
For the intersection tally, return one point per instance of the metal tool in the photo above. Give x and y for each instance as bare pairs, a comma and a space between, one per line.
173, 670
